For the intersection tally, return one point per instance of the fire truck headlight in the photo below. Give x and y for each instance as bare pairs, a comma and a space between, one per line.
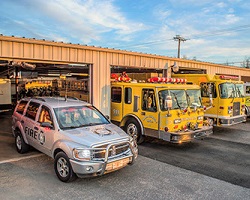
175, 137
82, 154
200, 118
243, 108
177, 121
230, 109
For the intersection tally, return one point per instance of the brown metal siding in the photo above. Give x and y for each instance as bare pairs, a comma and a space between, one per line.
31, 50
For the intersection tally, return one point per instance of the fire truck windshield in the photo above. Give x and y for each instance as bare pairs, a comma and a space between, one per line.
231, 90
194, 98
239, 89
179, 99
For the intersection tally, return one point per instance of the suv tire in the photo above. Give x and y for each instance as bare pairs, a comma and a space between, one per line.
20, 144
63, 168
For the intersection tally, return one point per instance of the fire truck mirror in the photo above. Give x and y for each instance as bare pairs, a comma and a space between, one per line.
136, 104
168, 102
210, 89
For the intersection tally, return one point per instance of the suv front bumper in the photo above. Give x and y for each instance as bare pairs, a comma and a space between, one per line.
106, 165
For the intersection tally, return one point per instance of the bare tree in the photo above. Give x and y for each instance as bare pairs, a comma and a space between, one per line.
246, 62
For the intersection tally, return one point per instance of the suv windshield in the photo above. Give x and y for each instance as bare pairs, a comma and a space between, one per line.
194, 98
231, 90
79, 116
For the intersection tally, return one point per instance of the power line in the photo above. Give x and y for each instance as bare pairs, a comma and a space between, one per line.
145, 43
220, 32
196, 36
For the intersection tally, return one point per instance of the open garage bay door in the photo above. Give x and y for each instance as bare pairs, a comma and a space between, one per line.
44, 79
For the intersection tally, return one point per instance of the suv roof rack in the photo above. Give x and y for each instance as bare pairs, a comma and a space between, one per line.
39, 98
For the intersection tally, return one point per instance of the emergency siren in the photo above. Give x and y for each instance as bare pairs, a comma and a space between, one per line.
122, 78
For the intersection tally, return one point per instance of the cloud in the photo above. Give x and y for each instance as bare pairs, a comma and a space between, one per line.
148, 27
90, 18
221, 5
84, 20
231, 19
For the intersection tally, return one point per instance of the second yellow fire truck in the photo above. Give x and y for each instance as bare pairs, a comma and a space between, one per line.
227, 93
247, 98
162, 108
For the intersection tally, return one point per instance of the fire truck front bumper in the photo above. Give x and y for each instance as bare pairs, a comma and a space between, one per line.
228, 121
187, 136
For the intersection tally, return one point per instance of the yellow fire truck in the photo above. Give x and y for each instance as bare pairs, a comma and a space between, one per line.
247, 97
227, 94
73, 88
37, 84
161, 109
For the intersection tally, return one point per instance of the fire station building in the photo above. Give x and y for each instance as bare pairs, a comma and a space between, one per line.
89, 68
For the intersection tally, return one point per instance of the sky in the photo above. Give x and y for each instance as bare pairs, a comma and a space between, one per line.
214, 31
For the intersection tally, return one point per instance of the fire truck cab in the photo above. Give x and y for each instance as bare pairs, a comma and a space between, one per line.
227, 93
161, 109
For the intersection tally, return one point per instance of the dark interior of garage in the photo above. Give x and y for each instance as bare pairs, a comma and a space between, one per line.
43, 79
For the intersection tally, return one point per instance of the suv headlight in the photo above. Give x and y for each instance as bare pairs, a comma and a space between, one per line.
82, 154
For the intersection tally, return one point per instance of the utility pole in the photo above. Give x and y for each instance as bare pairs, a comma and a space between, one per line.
247, 63
179, 39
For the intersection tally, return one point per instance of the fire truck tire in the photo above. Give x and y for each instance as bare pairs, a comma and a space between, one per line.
20, 144
247, 111
132, 128
63, 168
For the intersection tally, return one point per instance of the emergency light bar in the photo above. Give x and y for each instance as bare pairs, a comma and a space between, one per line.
124, 79
166, 80
225, 77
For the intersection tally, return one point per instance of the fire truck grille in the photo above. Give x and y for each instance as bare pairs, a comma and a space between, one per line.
115, 150
236, 108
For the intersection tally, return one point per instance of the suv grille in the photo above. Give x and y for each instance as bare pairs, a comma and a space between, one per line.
114, 151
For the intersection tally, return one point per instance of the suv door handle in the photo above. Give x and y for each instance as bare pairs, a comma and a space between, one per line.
36, 128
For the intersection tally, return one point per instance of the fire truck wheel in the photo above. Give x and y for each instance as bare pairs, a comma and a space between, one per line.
133, 128
63, 168
20, 144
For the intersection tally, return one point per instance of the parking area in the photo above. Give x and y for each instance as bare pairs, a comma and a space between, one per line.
162, 171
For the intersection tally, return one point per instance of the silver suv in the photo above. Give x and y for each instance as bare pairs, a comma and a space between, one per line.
80, 138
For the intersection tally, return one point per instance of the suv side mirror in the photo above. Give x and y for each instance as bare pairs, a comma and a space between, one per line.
47, 124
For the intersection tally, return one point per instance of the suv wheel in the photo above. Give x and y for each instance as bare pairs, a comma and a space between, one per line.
21, 146
63, 168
